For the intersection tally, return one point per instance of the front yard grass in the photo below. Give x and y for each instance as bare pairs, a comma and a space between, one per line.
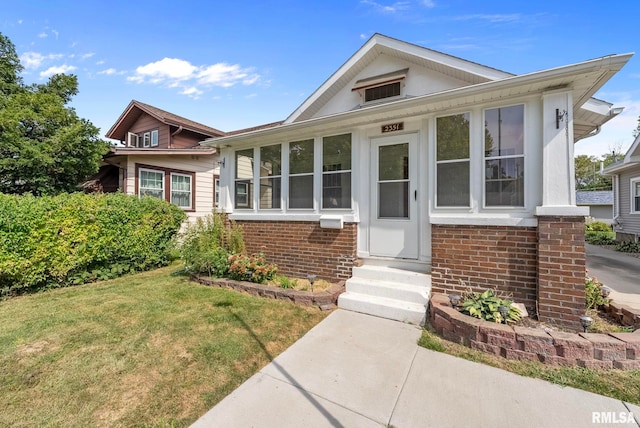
619, 384
151, 349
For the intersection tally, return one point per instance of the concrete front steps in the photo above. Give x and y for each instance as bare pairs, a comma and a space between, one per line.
387, 292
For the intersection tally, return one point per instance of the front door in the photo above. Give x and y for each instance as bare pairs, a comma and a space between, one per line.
394, 197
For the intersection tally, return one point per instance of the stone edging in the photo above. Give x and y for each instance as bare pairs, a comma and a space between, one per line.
623, 314
592, 350
323, 299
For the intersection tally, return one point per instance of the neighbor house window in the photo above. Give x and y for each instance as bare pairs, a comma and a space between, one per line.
301, 174
270, 176
336, 171
452, 161
504, 156
154, 138
635, 195
244, 179
146, 139
216, 191
151, 183
181, 190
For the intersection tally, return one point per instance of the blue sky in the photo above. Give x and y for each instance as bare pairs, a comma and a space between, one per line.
238, 64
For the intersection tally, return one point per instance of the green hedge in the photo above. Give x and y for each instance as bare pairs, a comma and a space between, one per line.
77, 238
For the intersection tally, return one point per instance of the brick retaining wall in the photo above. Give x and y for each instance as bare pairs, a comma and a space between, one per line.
592, 350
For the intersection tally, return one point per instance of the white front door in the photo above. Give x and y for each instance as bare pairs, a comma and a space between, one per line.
393, 230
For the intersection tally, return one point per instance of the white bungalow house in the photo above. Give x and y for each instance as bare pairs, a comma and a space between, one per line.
626, 194
409, 170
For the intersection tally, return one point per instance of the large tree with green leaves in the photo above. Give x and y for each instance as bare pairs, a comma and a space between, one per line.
45, 148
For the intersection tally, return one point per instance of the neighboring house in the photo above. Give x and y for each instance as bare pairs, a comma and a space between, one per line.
599, 202
410, 158
626, 190
161, 157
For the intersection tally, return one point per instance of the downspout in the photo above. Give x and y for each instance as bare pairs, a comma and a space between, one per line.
176, 132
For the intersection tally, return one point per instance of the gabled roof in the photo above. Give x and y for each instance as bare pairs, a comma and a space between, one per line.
378, 44
135, 109
594, 197
631, 159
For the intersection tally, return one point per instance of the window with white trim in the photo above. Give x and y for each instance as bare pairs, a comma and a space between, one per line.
504, 156
301, 174
244, 178
151, 183
270, 176
154, 138
216, 191
452, 161
336, 171
634, 185
146, 139
181, 190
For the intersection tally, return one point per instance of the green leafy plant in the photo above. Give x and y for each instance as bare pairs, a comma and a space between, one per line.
251, 268
486, 306
593, 293
600, 238
628, 247
286, 282
598, 226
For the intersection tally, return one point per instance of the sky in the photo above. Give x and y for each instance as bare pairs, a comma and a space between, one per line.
232, 65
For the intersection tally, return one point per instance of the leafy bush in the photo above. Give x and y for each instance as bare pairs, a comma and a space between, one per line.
286, 282
593, 293
598, 226
77, 238
208, 242
628, 247
251, 268
486, 306
600, 238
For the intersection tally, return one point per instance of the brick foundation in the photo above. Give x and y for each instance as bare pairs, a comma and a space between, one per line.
482, 257
561, 270
300, 247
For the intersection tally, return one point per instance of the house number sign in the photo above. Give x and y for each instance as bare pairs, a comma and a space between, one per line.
391, 127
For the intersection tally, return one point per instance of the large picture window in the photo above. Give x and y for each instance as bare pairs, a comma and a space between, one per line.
301, 174
504, 156
336, 171
270, 176
244, 179
452, 161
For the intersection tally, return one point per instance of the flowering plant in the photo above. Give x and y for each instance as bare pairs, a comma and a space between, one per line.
251, 268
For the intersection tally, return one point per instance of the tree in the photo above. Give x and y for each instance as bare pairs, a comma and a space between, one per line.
587, 171
636, 131
45, 148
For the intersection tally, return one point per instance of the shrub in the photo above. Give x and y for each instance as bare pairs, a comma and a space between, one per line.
486, 306
207, 243
628, 247
600, 238
593, 293
598, 226
76, 238
251, 268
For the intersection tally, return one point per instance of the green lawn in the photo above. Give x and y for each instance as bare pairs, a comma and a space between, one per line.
152, 349
623, 385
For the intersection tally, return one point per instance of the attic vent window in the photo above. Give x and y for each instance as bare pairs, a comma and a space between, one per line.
389, 85
383, 91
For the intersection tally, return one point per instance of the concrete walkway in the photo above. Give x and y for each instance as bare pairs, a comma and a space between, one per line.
617, 271
355, 370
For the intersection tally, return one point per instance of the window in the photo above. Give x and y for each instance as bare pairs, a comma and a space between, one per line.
154, 138
336, 171
383, 91
146, 138
635, 195
301, 174
181, 190
270, 176
151, 184
216, 191
244, 178
167, 184
132, 139
504, 156
452, 161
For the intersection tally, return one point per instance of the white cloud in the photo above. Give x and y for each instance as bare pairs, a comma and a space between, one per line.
43, 35
100, 62
35, 59
493, 18
57, 70
108, 71
55, 33
391, 8
178, 73
429, 4
87, 55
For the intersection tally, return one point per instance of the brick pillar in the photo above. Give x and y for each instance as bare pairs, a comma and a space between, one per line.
561, 270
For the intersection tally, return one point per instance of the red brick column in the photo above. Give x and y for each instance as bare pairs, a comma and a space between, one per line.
561, 270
